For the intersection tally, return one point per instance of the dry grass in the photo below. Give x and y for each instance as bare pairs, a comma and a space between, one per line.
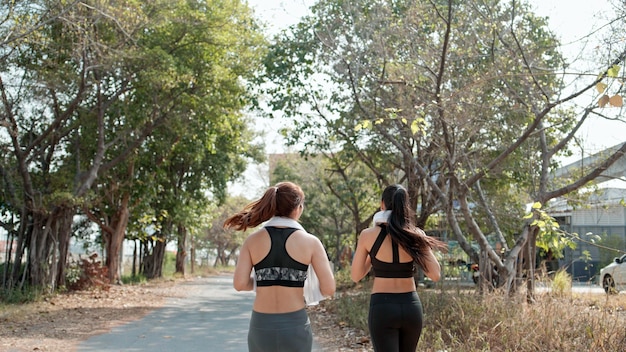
463, 320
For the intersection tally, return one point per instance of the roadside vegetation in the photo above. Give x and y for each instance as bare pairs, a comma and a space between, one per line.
458, 318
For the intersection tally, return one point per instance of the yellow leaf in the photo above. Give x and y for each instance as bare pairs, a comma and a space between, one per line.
616, 101
601, 87
415, 127
603, 101
528, 216
362, 125
537, 205
613, 71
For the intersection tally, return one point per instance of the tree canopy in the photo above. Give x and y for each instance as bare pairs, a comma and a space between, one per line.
117, 111
463, 102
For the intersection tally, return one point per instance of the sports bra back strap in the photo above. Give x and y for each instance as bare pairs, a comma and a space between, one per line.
379, 240
395, 251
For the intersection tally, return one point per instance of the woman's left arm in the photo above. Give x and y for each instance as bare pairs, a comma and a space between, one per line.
322, 268
432, 269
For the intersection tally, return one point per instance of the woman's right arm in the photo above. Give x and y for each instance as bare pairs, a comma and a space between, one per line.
242, 279
361, 262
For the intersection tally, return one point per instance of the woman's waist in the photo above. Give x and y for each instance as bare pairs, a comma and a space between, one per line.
278, 321
278, 299
393, 285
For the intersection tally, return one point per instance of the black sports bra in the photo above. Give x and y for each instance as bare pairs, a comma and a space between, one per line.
278, 268
394, 269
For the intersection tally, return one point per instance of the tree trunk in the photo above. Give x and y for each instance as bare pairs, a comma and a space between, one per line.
181, 252
134, 269
192, 256
115, 239
530, 265
153, 259
44, 239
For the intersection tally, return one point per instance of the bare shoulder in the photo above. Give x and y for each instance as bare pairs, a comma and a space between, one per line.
308, 237
369, 234
257, 235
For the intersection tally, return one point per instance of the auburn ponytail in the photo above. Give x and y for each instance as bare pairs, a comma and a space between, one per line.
279, 200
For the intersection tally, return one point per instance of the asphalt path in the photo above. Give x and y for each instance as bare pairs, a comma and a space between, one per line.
211, 317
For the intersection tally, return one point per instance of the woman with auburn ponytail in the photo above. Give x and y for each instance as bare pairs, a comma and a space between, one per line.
393, 247
280, 253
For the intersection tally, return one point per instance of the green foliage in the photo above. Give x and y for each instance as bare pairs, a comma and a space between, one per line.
169, 264
550, 237
378, 90
134, 279
24, 295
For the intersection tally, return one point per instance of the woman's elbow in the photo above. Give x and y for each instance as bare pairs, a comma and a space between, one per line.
240, 285
434, 276
328, 290
357, 273
355, 277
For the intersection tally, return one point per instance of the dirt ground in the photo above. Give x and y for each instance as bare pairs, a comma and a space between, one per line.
61, 322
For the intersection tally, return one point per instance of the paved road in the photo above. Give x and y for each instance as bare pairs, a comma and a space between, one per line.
213, 317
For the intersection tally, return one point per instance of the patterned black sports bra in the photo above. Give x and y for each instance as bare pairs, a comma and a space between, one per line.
278, 268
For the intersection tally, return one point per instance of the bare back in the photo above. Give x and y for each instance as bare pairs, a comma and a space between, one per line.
301, 247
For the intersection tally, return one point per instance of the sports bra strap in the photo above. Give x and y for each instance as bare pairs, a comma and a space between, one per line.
379, 241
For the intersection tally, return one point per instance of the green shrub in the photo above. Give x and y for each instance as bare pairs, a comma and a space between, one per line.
20, 296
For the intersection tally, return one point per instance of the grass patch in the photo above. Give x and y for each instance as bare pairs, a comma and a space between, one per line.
134, 279
21, 296
457, 320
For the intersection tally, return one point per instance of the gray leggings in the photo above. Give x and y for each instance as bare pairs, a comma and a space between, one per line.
281, 332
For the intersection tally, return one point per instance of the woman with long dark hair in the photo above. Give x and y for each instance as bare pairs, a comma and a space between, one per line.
393, 247
280, 253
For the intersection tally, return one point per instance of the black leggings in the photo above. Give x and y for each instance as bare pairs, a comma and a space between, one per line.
395, 321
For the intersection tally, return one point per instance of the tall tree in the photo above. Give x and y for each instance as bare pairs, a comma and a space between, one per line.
90, 83
201, 57
63, 72
463, 99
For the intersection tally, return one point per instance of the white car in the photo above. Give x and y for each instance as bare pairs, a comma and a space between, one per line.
613, 276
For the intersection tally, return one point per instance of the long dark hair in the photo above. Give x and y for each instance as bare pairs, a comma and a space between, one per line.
279, 200
402, 228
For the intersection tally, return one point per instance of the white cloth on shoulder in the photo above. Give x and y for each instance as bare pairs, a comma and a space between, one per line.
312, 293
381, 217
